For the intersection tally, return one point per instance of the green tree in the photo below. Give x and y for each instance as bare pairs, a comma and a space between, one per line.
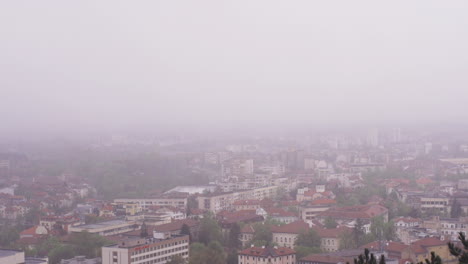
232, 258
185, 230
60, 252
308, 239
347, 240
302, 251
367, 258
435, 259
215, 253
143, 230
176, 260
330, 223
234, 232
197, 253
8, 235
87, 244
381, 230
209, 230
201, 254
358, 233
455, 210
262, 233
460, 253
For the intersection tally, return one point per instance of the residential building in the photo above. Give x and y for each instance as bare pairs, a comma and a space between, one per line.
271, 255
146, 250
324, 259
331, 238
349, 214
179, 202
216, 202
286, 235
107, 228
11, 257
81, 260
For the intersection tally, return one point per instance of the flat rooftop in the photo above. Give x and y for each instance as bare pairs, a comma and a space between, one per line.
103, 224
8, 252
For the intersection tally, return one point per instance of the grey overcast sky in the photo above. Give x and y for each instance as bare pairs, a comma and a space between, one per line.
122, 63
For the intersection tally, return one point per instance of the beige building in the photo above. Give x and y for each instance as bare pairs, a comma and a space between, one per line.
11, 257
216, 202
286, 235
108, 228
146, 250
270, 255
331, 238
144, 203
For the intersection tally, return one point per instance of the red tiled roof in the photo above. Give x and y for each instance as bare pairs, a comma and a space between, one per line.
267, 251
247, 229
175, 225
332, 232
322, 201
29, 232
359, 211
429, 242
315, 258
279, 212
390, 246
297, 227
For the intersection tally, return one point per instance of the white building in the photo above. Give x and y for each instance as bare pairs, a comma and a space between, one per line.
11, 257
107, 228
146, 250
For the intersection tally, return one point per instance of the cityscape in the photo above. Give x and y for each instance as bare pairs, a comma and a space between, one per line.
233, 132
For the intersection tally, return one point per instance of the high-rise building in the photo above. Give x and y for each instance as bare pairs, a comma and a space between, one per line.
396, 135
373, 137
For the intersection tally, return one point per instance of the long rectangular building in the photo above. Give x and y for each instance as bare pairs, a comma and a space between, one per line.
147, 202
146, 250
107, 228
216, 202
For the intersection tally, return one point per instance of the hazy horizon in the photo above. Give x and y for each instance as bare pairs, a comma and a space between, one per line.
87, 65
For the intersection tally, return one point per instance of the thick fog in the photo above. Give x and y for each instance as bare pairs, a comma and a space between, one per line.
68, 65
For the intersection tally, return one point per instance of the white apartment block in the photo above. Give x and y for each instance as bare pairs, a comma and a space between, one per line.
146, 250
224, 201
147, 202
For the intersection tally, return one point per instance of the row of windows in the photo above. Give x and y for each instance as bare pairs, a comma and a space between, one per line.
268, 261
159, 253
163, 258
440, 203
281, 239
159, 247
453, 226
264, 259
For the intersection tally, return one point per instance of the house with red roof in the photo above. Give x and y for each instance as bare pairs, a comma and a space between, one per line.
286, 235
32, 236
331, 237
281, 215
271, 255
416, 252
349, 214
324, 259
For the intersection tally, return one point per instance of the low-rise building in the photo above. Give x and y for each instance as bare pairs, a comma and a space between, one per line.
144, 203
107, 228
146, 250
11, 256
261, 255
81, 260
286, 235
